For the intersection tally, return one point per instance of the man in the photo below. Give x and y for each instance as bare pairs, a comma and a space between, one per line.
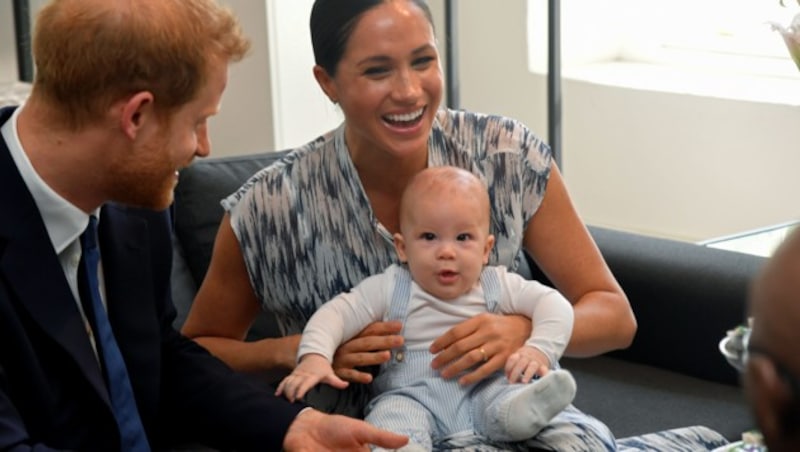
772, 375
89, 360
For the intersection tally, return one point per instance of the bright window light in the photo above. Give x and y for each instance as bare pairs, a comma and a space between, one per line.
711, 35
723, 35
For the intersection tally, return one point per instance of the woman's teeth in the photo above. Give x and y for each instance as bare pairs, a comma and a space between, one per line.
408, 117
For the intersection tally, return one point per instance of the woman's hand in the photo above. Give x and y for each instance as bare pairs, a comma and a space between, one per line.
486, 339
369, 348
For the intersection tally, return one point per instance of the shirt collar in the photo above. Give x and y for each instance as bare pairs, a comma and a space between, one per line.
64, 221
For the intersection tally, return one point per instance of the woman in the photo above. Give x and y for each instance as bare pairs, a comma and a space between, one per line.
321, 220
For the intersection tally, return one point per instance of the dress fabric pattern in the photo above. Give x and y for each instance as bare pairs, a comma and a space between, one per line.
307, 231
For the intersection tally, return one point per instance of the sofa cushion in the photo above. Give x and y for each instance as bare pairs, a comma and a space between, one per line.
634, 399
685, 297
200, 189
198, 212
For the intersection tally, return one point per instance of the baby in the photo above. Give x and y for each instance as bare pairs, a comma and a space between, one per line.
444, 245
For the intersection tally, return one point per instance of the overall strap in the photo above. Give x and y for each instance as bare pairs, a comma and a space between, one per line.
401, 296
490, 283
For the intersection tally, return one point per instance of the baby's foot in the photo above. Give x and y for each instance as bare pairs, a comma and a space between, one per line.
531, 410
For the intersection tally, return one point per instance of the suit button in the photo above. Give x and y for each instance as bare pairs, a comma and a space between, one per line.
399, 357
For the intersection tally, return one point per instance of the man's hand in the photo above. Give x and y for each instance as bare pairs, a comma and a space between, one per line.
371, 347
312, 369
486, 340
314, 431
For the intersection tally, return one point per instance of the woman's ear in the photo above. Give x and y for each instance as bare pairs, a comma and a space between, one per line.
325, 82
135, 112
770, 396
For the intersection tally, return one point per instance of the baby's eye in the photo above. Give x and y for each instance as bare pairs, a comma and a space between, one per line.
428, 236
463, 237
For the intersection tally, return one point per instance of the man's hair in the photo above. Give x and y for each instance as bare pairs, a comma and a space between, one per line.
92, 53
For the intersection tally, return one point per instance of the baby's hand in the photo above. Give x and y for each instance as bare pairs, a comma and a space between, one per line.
312, 369
526, 363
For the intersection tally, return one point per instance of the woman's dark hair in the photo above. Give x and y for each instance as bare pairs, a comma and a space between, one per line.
332, 23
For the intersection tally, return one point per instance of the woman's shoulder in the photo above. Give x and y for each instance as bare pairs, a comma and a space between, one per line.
295, 166
483, 135
489, 130
449, 119
300, 159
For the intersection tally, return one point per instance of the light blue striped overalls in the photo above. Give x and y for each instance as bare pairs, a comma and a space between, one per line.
434, 412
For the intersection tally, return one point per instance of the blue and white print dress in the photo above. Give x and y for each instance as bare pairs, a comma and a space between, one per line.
307, 230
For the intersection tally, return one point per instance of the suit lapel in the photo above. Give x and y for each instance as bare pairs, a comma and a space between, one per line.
127, 267
33, 273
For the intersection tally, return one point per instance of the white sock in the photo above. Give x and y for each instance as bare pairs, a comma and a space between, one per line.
531, 409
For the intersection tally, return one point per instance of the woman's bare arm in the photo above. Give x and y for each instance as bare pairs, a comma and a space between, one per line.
559, 242
225, 308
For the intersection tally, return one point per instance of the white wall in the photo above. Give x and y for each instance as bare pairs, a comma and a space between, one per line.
672, 165
244, 124
8, 55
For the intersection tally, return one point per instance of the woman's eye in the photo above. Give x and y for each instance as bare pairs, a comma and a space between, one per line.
423, 61
376, 71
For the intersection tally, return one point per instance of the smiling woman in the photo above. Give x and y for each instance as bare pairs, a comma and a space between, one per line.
316, 224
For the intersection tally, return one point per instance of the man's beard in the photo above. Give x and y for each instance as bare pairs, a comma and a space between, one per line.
147, 180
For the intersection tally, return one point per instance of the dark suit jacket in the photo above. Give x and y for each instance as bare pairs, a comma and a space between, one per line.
52, 392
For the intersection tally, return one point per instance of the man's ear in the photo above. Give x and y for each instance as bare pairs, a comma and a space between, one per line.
135, 112
770, 396
326, 83
400, 247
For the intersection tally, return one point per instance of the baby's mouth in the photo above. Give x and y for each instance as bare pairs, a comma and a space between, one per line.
447, 276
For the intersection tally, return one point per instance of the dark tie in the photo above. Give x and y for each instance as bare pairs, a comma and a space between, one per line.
119, 385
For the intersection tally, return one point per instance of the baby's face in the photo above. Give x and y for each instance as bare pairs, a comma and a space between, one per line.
446, 243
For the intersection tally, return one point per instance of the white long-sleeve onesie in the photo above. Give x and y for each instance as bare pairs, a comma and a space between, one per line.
341, 318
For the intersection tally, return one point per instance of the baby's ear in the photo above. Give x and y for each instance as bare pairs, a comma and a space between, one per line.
488, 249
400, 247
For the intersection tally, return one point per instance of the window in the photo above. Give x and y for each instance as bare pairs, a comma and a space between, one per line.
716, 35
722, 35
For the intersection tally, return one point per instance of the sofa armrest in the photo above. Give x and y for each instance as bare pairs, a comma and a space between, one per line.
685, 297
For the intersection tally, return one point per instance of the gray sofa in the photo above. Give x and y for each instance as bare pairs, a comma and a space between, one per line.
685, 297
